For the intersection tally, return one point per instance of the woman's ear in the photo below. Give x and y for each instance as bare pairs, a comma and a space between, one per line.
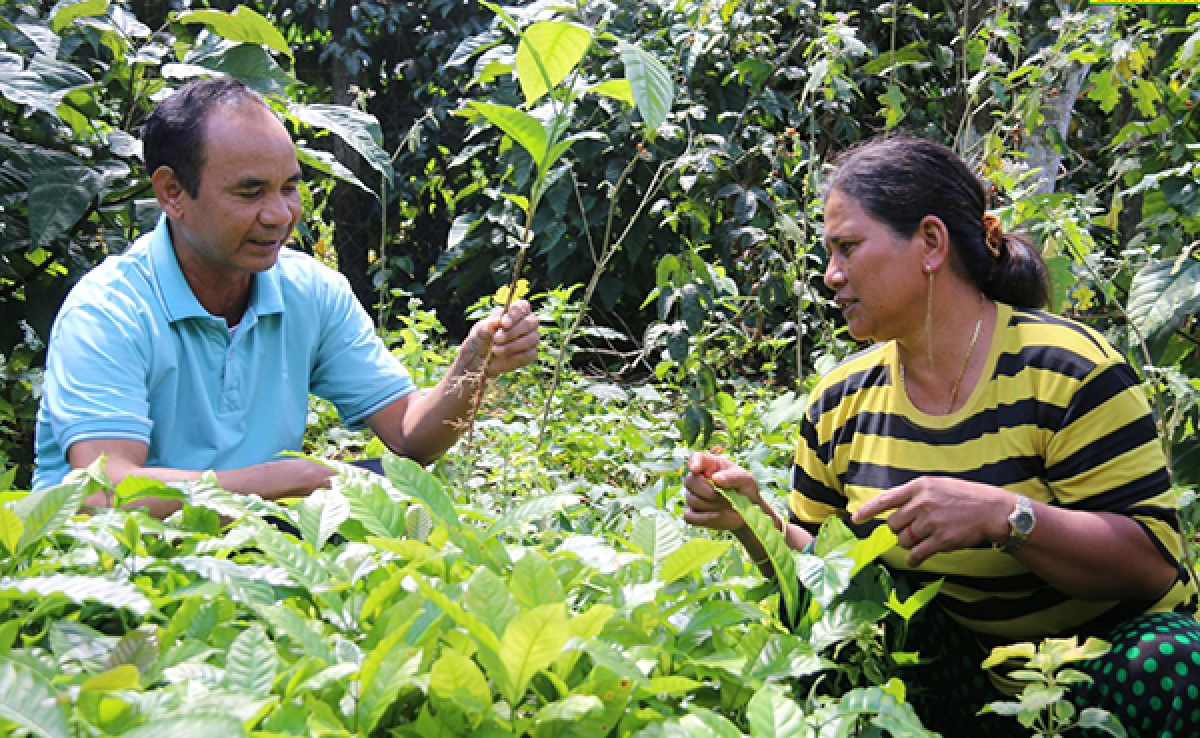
169, 191
934, 241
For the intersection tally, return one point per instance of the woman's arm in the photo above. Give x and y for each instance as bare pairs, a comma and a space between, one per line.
1087, 555
708, 508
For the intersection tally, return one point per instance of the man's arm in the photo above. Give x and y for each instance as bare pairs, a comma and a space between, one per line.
272, 480
423, 425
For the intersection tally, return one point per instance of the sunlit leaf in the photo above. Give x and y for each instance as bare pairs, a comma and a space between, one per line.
1163, 294
413, 480
78, 588
690, 557
772, 713
28, 700
653, 89
251, 663
875, 545
518, 125
456, 680
320, 515
11, 529
783, 559
115, 679
617, 89
532, 641
358, 129
547, 53
66, 13
243, 24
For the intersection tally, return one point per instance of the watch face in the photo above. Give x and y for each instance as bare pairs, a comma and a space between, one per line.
1022, 520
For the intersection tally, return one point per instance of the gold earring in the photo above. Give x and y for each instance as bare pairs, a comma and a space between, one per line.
929, 315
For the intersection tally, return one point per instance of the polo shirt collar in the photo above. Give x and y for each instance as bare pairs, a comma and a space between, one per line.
266, 296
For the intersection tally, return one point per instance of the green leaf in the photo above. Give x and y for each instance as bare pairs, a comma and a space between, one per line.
532, 641
44, 84
137, 648
772, 713
534, 582
456, 680
915, 602
78, 588
307, 570
617, 89
192, 726
783, 559
358, 129
1096, 718
690, 558
134, 488
487, 597
251, 663
546, 54
1062, 281
45, 511
894, 104
58, 198
29, 701
653, 89
572, 709
413, 480
657, 535
1164, 294
115, 679
243, 25
371, 505
914, 53
325, 162
479, 630
286, 621
534, 508
320, 515
825, 577
386, 669
877, 544
518, 125
66, 13
708, 723
11, 529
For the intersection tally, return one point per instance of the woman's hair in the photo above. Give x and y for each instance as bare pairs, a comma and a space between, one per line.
899, 180
173, 135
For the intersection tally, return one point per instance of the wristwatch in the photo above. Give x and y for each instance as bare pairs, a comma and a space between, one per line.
1020, 524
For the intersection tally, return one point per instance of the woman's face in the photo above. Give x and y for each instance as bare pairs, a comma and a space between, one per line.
877, 276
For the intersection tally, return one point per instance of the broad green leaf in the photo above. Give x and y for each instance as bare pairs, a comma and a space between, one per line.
546, 54
320, 515
702, 722
1000, 654
532, 641
327, 163
43, 84
137, 648
1062, 282
371, 505
456, 680
78, 588
29, 701
785, 656
249, 585
115, 679
915, 602
66, 13
1163, 294
251, 663
311, 572
475, 626
11, 529
653, 89
386, 592
286, 621
386, 669
1096, 718
243, 25
518, 125
875, 545
133, 488
914, 53
783, 559
674, 685
617, 89
534, 508
534, 582
572, 709
192, 726
358, 129
58, 198
487, 597
690, 557
657, 535
772, 713
590, 622
413, 480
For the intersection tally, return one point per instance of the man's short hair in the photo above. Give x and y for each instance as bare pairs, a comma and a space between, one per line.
173, 135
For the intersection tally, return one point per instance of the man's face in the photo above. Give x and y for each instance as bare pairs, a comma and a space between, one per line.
248, 201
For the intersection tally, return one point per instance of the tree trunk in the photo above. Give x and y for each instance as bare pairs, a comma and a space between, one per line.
355, 212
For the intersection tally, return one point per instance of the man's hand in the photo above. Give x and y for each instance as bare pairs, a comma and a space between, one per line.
511, 338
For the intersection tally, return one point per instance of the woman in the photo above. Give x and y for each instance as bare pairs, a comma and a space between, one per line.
1011, 450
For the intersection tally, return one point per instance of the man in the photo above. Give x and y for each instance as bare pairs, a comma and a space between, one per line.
197, 349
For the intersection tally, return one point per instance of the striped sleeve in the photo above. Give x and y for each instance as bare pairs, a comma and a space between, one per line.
816, 490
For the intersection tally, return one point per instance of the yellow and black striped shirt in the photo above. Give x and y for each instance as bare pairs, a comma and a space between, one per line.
1060, 418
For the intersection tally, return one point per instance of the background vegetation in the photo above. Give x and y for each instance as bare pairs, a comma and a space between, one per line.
699, 232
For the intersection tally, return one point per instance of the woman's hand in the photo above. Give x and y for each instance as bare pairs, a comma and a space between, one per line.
708, 508
941, 514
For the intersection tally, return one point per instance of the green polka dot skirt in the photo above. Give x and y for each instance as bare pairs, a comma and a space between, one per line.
1149, 680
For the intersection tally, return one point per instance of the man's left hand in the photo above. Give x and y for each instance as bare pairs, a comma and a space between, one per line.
511, 337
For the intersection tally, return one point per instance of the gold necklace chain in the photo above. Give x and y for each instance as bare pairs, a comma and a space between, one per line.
970, 350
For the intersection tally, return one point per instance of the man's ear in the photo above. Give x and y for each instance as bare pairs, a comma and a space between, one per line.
169, 191
934, 240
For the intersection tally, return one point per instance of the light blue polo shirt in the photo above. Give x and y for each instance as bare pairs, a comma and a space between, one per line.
133, 355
